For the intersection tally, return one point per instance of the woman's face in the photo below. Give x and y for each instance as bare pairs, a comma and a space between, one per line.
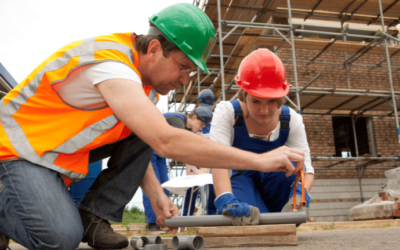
262, 110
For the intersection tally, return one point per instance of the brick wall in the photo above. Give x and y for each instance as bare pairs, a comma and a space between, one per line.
319, 127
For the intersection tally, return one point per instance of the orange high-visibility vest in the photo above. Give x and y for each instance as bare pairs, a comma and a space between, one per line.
37, 126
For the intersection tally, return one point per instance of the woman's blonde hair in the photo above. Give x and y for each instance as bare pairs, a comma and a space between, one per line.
243, 94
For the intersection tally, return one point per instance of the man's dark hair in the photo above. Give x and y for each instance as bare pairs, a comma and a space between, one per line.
143, 41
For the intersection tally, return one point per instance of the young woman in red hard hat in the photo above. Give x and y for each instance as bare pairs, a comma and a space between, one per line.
258, 122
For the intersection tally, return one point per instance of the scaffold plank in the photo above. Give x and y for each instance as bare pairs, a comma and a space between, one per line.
369, 9
319, 44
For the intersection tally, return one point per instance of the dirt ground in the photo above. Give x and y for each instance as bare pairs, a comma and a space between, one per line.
383, 234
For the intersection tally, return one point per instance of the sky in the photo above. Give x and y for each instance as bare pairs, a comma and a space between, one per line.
30, 31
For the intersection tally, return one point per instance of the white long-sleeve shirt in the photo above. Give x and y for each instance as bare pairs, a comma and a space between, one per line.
222, 131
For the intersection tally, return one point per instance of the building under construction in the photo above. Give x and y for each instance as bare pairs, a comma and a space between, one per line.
342, 61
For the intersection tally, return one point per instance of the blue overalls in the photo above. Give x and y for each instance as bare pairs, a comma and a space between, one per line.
267, 191
160, 169
206, 129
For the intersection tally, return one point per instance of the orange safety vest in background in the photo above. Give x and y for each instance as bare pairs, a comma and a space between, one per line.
37, 126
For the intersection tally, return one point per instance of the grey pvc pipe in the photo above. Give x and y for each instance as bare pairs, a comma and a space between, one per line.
193, 242
139, 242
225, 220
156, 247
153, 239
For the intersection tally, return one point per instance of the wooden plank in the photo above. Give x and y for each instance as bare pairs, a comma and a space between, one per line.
253, 13
246, 231
318, 44
260, 241
273, 5
371, 8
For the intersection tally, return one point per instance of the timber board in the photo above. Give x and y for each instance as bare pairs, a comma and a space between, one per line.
246, 231
370, 8
319, 44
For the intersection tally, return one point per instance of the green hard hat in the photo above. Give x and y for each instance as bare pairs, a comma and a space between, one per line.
189, 28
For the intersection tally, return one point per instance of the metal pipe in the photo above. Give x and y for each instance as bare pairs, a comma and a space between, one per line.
225, 220
221, 51
308, 84
193, 242
355, 168
229, 33
294, 57
360, 158
291, 102
389, 36
343, 93
255, 27
353, 124
284, 37
390, 73
360, 174
336, 34
198, 81
258, 24
345, 56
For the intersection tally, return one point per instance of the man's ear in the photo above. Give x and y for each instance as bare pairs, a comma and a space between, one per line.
154, 48
194, 117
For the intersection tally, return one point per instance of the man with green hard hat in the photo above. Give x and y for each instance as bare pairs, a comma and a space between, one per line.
93, 99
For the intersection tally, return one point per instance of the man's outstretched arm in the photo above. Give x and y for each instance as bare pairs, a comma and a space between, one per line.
129, 103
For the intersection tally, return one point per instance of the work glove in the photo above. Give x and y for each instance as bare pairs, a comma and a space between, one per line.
289, 205
241, 212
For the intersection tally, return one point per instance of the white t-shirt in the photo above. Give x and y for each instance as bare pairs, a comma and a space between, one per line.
79, 91
222, 130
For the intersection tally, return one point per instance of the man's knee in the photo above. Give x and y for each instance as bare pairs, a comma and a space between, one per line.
60, 237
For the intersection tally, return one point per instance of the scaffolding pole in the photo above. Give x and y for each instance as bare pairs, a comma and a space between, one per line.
221, 51
390, 72
294, 57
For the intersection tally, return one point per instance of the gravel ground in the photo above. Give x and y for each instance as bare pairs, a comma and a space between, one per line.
350, 239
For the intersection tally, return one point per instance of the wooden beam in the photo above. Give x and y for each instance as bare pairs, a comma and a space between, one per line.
187, 92
241, 231
318, 44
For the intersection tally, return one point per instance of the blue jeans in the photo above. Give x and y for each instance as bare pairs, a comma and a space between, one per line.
160, 169
37, 211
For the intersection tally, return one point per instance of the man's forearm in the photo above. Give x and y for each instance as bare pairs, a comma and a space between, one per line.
204, 153
150, 184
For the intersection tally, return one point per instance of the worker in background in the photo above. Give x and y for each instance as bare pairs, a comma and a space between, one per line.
258, 122
197, 119
94, 99
206, 99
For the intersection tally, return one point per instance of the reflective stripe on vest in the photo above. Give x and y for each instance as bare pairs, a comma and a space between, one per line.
36, 125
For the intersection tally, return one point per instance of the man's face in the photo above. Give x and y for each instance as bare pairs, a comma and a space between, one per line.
170, 72
197, 124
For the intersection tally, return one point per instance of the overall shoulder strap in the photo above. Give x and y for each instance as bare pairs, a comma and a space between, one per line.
238, 113
285, 117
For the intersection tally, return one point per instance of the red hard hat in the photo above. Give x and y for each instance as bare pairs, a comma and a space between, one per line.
263, 75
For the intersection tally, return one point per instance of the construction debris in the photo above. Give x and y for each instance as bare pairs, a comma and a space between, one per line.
385, 205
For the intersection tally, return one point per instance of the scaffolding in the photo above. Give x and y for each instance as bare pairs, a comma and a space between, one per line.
243, 25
